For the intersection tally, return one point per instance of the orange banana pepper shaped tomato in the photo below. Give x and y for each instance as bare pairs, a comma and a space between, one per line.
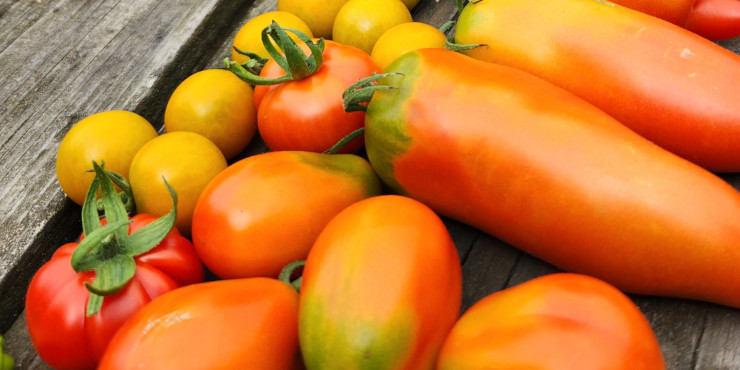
228, 324
673, 87
558, 321
381, 288
543, 170
266, 211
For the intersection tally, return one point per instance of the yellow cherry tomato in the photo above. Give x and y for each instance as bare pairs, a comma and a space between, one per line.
187, 160
403, 38
318, 14
249, 37
112, 137
216, 104
361, 22
410, 3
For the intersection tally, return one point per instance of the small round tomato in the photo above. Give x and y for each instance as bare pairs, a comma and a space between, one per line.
217, 104
249, 37
112, 137
187, 161
361, 22
403, 38
318, 14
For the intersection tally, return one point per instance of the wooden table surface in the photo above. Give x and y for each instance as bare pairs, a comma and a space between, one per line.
62, 60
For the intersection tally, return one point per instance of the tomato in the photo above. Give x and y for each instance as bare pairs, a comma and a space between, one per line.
558, 321
480, 142
381, 288
228, 324
112, 137
57, 295
249, 37
715, 19
673, 87
265, 211
317, 14
361, 22
403, 38
308, 114
216, 104
187, 161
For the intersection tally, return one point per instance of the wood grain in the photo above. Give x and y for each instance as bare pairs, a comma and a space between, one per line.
66, 59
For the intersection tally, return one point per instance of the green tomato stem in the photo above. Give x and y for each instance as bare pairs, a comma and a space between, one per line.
356, 97
291, 269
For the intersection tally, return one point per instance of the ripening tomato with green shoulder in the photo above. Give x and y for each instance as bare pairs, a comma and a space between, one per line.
381, 288
217, 105
265, 211
300, 108
226, 324
558, 321
112, 137
673, 87
479, 142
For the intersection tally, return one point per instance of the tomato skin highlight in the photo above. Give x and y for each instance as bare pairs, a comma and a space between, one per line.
265, 211
558, 321
216, 325
667, 84
57, 295
543, 170
381, 288
307, 114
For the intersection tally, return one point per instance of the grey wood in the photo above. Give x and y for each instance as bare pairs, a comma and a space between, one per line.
65, 59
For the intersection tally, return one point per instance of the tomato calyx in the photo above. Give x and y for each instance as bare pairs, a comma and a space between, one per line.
293, 61
254, 64
6, 362
126, 194
108, 250
356, 97
292, 274
450, 43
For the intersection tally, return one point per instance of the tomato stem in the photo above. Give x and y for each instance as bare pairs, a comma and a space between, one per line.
289, 271
255, 63
109, 250
292, 60
343, 141
356, 97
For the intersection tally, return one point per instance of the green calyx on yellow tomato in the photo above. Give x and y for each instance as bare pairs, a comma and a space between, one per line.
109, 250
293, 61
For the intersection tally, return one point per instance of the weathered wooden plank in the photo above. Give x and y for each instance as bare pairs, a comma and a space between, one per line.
63, 60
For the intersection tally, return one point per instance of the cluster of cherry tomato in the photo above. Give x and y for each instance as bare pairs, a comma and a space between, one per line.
381, 285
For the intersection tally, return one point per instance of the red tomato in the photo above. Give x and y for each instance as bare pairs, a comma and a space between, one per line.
558, 321
228, 324
56, 300
381, 288
307, 114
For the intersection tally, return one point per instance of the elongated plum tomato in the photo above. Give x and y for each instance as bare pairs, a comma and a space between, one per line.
403, 38
187, 161
265, 211
111, 137
381, 287
249, 37
227, 324
559, 321
216, 104
63, 335
361, 22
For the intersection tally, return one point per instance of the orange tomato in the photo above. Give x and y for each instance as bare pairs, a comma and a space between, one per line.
217, 325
